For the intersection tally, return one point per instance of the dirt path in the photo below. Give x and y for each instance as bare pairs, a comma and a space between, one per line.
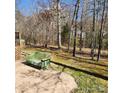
31, 80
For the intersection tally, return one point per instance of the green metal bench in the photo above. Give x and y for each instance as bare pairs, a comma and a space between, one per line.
40, 59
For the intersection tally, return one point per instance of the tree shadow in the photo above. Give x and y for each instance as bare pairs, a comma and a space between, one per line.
83, 60
82, 70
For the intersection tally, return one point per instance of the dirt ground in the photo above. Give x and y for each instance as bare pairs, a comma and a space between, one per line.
31, 80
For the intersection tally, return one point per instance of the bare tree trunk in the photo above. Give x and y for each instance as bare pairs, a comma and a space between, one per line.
58, 25
93, 32
81, 29
75, 32
69, 36
100, 32
46, 37
83, 16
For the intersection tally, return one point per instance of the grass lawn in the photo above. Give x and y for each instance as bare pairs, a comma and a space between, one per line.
86, 83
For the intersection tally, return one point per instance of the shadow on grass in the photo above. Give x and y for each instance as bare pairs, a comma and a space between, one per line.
85, 71
82, 53
83, 60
